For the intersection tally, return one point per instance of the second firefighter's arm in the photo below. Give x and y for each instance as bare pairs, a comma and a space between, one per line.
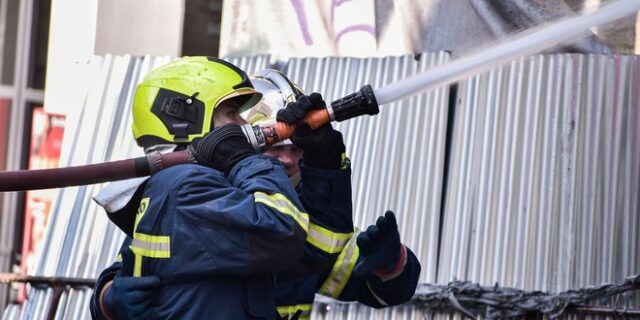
372, 290
326, 194
384, 273
325, 184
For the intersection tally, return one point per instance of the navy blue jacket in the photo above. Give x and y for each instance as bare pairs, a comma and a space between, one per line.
215, 241
326, 264
326, 194
294, 297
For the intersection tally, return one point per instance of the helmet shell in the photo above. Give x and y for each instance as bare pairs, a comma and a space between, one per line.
277, 91
175, 102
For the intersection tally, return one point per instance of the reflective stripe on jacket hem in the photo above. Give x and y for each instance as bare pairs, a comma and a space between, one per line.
290, 311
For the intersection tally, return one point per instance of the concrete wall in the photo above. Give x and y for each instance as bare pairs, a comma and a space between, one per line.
81, 29
140, 27
637, 33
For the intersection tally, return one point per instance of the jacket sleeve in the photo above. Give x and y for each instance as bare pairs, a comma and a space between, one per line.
326, 195
370, 290
105, 276
250, 223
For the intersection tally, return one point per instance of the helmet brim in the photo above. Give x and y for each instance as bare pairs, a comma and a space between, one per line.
252, 98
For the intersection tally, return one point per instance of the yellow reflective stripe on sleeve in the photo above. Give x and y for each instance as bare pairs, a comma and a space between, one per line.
289, 311
282, 204
326, 240
342, 269
137, 265
144, 245
151, 246
142, 208
345, 162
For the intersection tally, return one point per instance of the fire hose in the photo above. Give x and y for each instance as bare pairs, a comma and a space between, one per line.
364, 101
356, 104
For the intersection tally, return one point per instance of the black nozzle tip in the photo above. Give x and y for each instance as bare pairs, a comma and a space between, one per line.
358, 103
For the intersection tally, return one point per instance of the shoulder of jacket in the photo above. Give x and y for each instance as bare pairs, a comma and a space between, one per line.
173, 176
183, 170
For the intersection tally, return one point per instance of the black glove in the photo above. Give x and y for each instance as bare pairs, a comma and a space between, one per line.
129, 297
380, 247
323, 147
295, 111
222, 148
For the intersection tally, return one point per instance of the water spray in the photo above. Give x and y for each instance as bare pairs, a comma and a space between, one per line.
522, 44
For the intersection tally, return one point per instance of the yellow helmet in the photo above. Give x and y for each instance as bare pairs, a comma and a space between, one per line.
277, 91
175, 102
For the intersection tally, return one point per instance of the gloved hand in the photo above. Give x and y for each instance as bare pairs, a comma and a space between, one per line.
381, 252
323, 147
129, 297
295, 111
222, 148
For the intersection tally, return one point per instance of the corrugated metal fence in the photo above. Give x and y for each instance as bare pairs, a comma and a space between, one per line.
545, 175
527, 175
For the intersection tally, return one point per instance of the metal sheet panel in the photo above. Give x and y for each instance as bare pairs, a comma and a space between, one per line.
543, 188
80, 241
398, 155
356, 311
541, 191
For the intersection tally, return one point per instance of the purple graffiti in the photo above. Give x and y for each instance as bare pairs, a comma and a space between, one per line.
334, 5
354, 28
302, 21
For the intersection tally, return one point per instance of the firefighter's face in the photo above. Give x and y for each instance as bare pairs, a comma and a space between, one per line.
288, 155
227, 112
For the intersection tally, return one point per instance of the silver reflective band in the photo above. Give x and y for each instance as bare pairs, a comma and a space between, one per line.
326, 240
151, 246
282, 204
342, 269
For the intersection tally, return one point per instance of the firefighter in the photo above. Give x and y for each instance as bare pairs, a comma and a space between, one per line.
384, 273
374, 267
327, 232
205, 239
